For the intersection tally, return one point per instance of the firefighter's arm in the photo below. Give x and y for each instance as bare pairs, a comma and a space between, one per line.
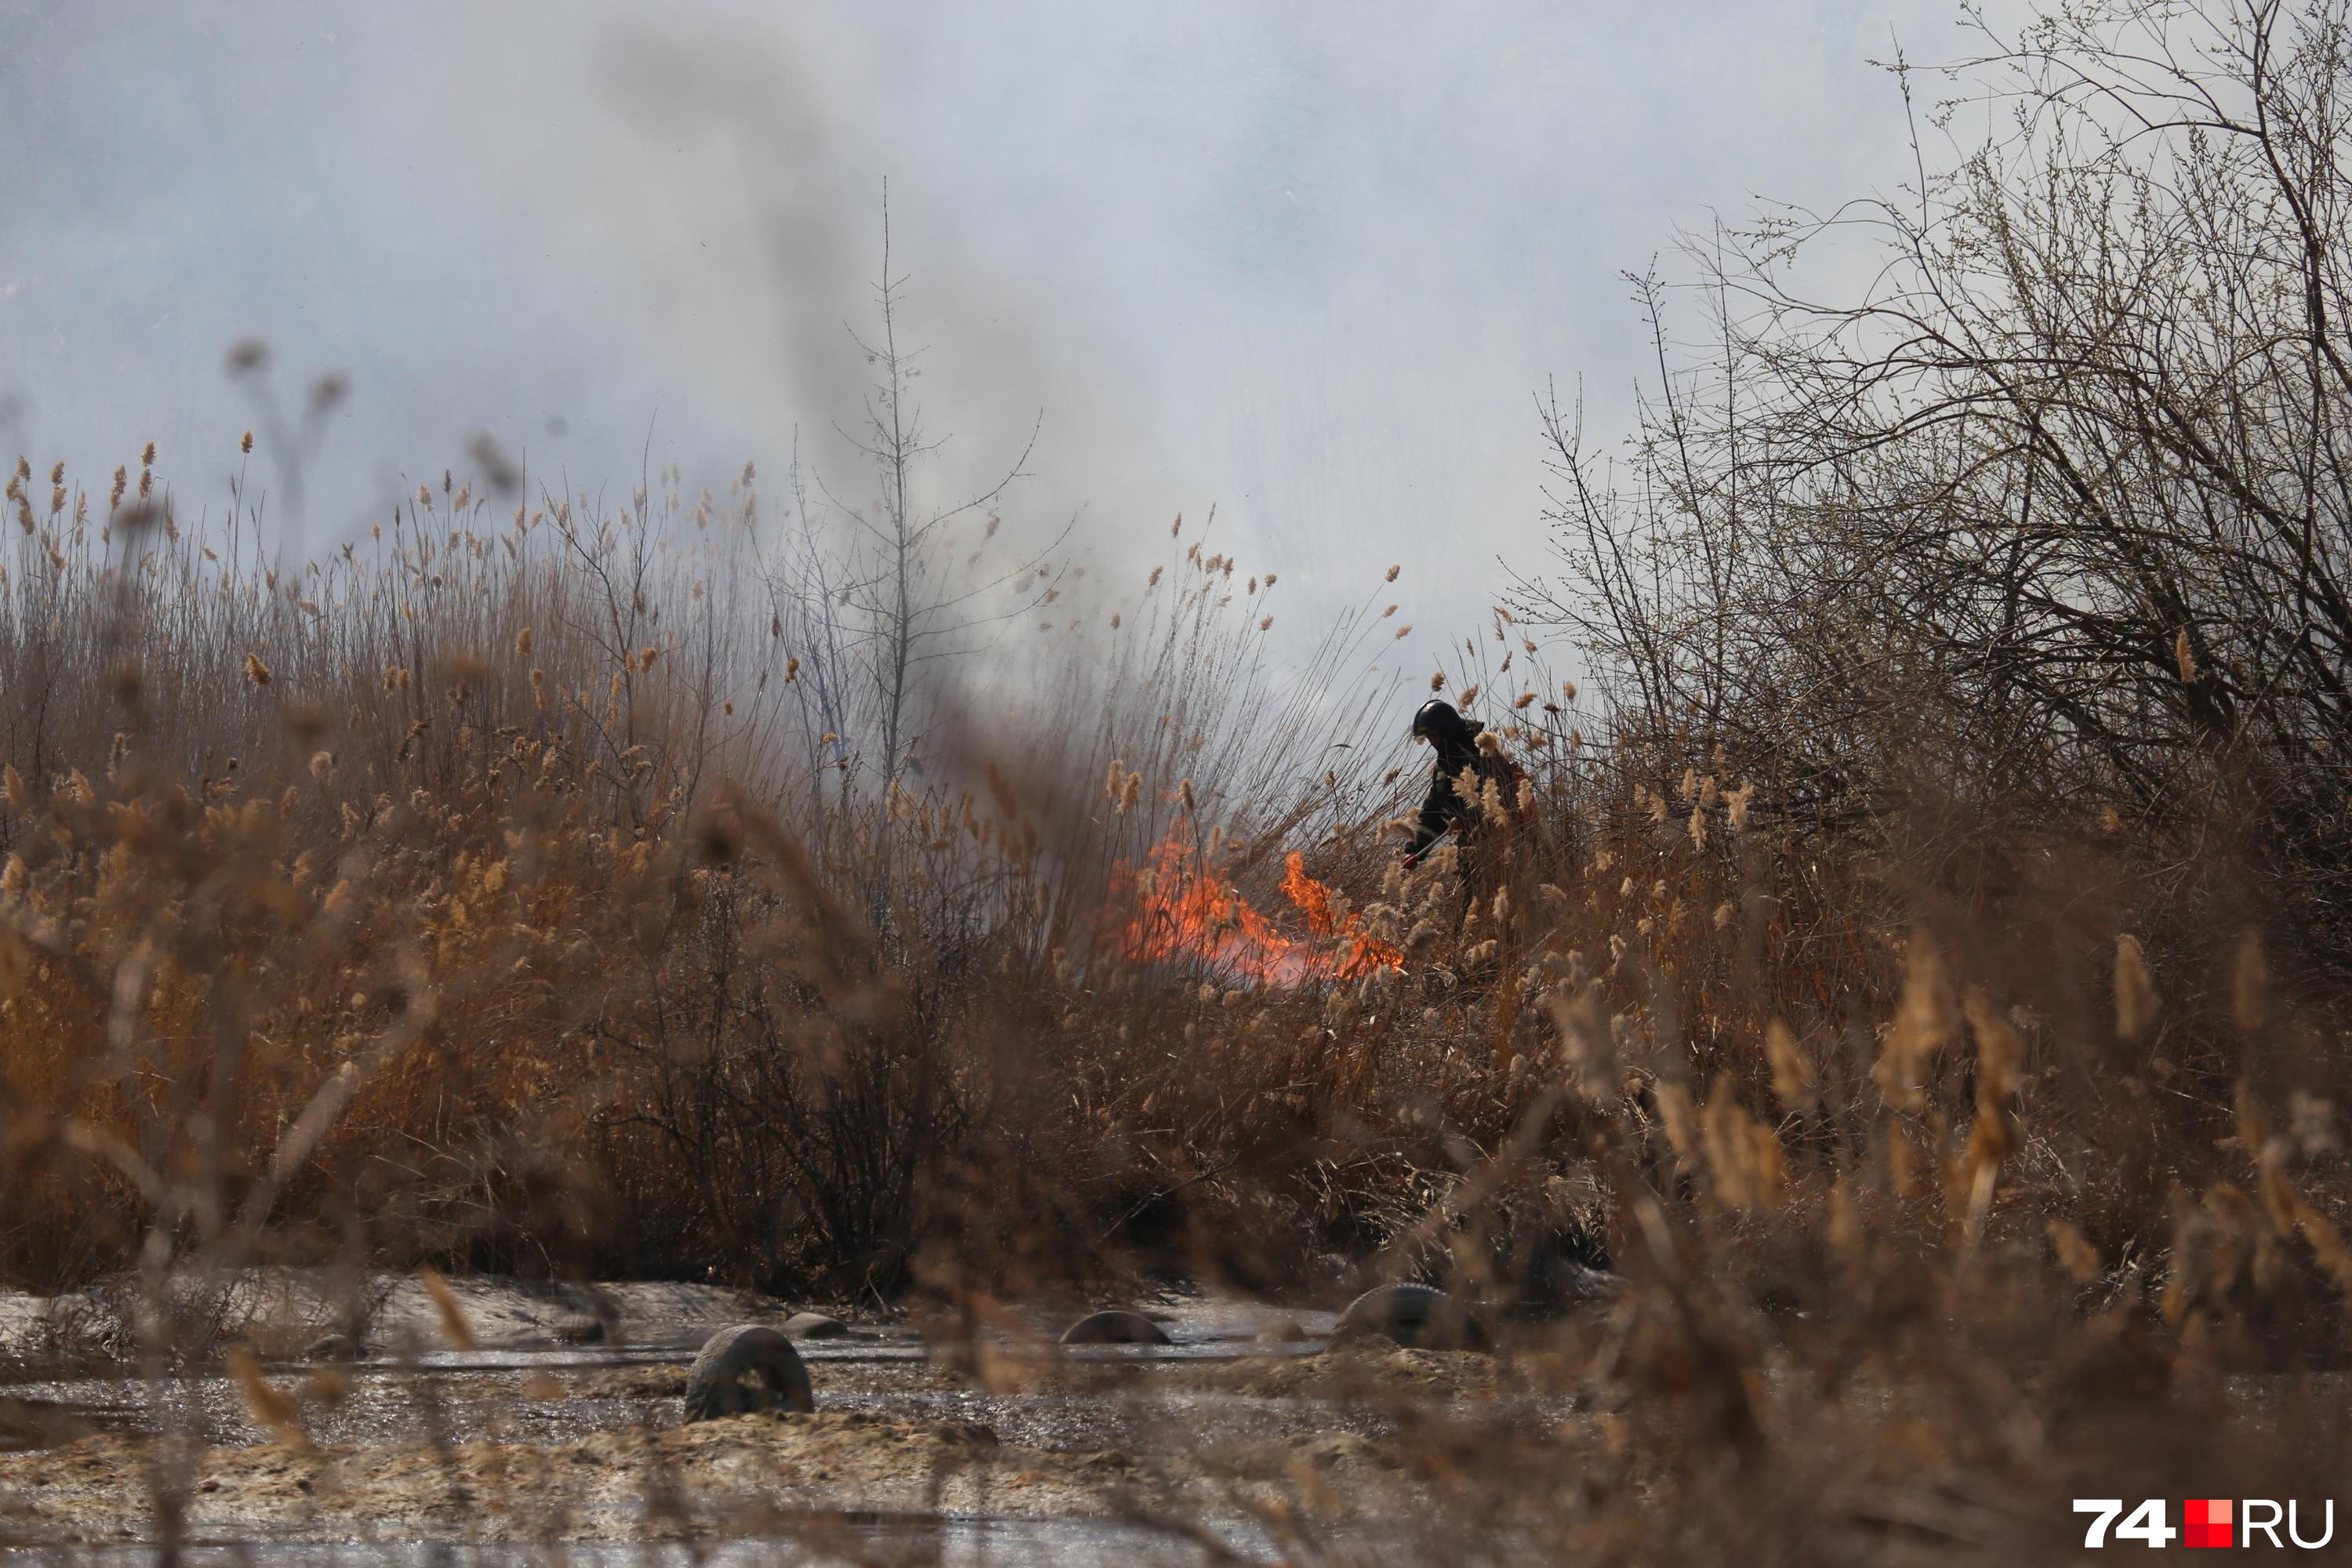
1437, 817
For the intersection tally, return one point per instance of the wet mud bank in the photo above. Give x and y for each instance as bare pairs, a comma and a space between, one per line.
497, 1428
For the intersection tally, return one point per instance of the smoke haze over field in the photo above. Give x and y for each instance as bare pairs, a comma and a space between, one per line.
1305, 262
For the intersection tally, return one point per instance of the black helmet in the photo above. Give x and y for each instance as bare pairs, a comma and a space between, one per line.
1438, 723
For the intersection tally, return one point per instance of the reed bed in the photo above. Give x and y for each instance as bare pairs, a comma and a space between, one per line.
478, 900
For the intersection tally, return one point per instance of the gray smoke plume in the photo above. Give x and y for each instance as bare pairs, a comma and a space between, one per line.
1307, 262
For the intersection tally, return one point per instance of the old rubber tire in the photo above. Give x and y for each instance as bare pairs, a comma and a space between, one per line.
1414, 1316
1114, 1328
749, 1367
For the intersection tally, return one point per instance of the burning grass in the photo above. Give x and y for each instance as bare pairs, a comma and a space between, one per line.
1188, 914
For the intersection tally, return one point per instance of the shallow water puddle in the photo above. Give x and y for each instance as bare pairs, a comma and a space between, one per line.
865, 1541
534, 1400
542, 1392
1008, 1448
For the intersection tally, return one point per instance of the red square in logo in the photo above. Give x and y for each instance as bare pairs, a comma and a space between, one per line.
2208, 1521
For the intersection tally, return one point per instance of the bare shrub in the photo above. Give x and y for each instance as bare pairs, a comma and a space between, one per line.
2052, 508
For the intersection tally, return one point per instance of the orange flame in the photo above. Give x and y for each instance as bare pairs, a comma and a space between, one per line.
1186, 912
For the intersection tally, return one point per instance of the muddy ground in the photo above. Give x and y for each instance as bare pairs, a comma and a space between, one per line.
474, 1414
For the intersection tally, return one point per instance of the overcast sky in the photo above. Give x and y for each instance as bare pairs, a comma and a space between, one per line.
1306, 261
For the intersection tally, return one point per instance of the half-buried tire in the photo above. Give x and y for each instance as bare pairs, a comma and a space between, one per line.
1414, 1316
749, 1367
814, 1326
1114, 1329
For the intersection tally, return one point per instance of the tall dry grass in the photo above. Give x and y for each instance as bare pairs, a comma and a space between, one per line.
473, 888
470, 899
493, 882
519, 889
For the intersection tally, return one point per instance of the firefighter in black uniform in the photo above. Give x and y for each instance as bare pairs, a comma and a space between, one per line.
1456, 740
